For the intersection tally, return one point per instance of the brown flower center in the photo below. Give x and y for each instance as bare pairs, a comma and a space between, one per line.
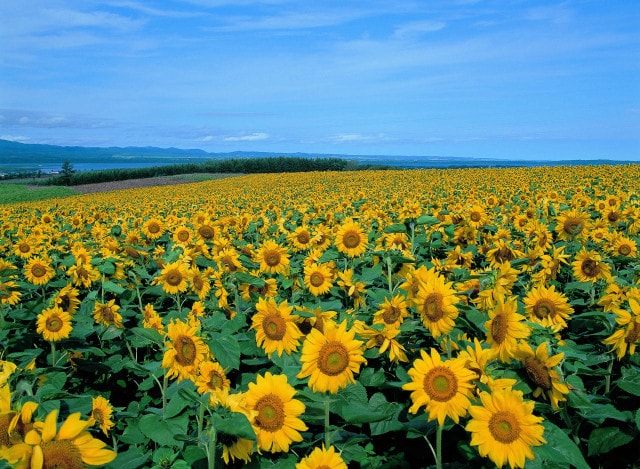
61, 454
183, 236
206, 231
173, 278
590, 268
303, 237
624, 250
185, 350
216, 380
634, 334
153, 228
499, 328
38, 270
333, 358
351, 239
274, 327
613, 216
391, 314
54, 323
24, 248
272, 258
270, 413
432, 307
573, 226
440, 384
475, 216
316, 279
504, 427
544, 308
538, 373
107, 313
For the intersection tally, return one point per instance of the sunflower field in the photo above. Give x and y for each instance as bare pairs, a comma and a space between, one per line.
405, 319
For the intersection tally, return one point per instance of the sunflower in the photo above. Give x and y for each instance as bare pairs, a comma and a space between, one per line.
354, 288
183, 236
71, 447
9, 293
444, 387
350, 239
212, 379
547, 307
626, 247
235, 447
184, 351
392, 312
589, 267
54, 324
25, 247
153, 228
505, 328
67, 299
476, 216
331, 357
572, 224
276, 422
173, 278
101, 413
384, 339
504, 428
627, 336
275, 326
318, 278
300, 238
83, 274
228, 259
199, 283
321, 458
435, 301
107, 314
151, 319
273, 258
477, 359
541, 370
39, 271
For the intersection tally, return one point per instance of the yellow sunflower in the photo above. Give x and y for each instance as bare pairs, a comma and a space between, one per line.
71, 447
54, 324
83, 274
626, 337
322, 458
151, 319
228, 259
543, 373
504, 428
505, 328
547, 307
435, 301
199, 283
276, 423
107, 314
212, 379
9, 293
273, 258
25, 247
477, 359
444, 387
102, 413
153, 228
626, 247
276, 329
67, 299
39, 271
572, 224
237, 447
392, 311
300, 238
318, 279
184, 351
183, 236
173, 278
350, 239
384, 339
589, 267
331, 357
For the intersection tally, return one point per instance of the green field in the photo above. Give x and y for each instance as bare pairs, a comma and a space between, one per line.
11, 193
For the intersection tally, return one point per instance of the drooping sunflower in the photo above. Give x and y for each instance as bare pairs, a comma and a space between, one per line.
505, 328
107, 314
572, 224
276, 329
444, 387
71, 446
384, 339
504, 428
238, 447
228, 259
67, 299
350, 239
39, 271
330, 358
478, 359
589, 267
199, 283
212, 379
318, 278
435, 301
102, 414
627, 336
543, 373
322, 458
184, 351
151, 319
173, 278
547, 307
355, 289
83, 274
392, 311
54, 324
273, 258
276, 423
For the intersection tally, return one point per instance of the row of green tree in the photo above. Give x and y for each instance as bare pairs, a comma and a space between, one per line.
69, 177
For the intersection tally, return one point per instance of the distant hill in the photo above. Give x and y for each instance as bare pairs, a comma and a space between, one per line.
31, 155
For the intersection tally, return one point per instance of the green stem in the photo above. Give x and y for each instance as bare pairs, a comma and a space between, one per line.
327, 436
211, 450
607, 378
439, 447
389, 266
200, 419
53, 353
433, 450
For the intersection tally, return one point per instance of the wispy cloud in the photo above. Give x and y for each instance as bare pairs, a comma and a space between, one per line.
12, 118
356, 137
416, 28
254, 137
15, 138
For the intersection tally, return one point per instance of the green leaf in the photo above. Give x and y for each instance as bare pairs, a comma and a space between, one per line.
113, 288
427, 220
111, 333
559, 448
226, 351
150, 335
630, 380
236, 424
107, 268
249, 279
330, 254
638, 419
133, 458
598, 413
603, 440
371, 273
395, 228
162, 430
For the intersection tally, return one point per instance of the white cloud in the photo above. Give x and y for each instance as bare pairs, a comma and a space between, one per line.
344, 138
418, 27
15, 138
208, 138
248, 138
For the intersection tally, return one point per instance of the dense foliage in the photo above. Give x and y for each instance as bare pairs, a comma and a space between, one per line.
465, 318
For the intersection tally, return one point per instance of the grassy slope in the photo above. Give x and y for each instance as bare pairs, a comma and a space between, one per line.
12, 193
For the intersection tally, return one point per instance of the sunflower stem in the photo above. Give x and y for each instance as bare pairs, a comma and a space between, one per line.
53, 353
211, 449
433, 450
389, 266
327, 436
439, 446
607, 377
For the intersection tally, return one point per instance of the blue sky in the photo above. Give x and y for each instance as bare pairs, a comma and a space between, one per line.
511, 79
